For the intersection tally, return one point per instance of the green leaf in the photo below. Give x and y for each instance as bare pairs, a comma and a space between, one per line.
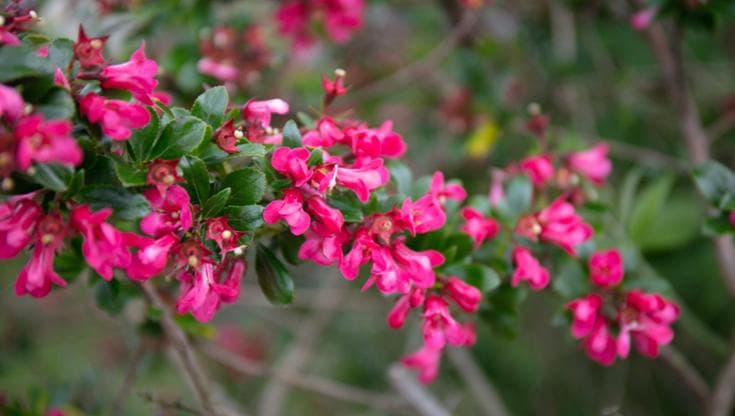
501, 310
197, 178
126, 205
316, 157
247, 185
57, 104
717, 226
570, 280
274, 280
214, 205
142, 140
112, 296
348, 204
716, 183
518, 194
245, 218
482, 277
129, 175
54, 177
195, 328
179, 137
211, 105
401, 176
251, 150
648, 206
291, 134
69, 263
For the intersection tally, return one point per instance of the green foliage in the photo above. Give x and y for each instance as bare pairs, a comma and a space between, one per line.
126, 205
716, 183
197, 178
247, 186
211, 106
291, 134
273, 278
179, 137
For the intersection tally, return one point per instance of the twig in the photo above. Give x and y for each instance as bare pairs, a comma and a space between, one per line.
275, 392
168, 404
678, 362
720, 127
176, 336
315, 384
129, 379
413, 72
478, 384
723, 395
421, 400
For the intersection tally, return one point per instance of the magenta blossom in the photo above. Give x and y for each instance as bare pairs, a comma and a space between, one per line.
418, 265
223, 71
422, 216
463, 294
600, 345
322, 246
557, 224
443, 191
204, 290
162, 174
643, 18
37, 276
289, 209
170, 212
116, 117
538, 168
477, 226
343, 17
647, 318
326, 134
136, 76
439, 326
11, 104
151, 257
364, 178
60, 79
292, 164
46, 141
104, 246
320, 211
606, 268
529, 269
219, 230
18, 219
592, 163
378, 142
88, 51
425, 361
259, 112
585, 312
362, 247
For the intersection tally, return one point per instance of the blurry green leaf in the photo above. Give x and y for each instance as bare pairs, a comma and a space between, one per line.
214, 205
570, 281
112, 296
195, 328
273, 278
247, 186
306, 120
478, 275
455, 247
501, 310
251, 149
179, 137
717, 226
245, 218
348, 204
57, 104
197, 178
517, 200
401, 176
126, 205
69, 263
129, 175
54, 177
291, 134
142, 140
211, 105
316, 157
716, 183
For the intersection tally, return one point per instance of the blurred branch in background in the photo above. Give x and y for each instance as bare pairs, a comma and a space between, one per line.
419, 397
481, 388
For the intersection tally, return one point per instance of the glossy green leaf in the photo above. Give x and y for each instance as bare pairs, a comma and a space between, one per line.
197, 178
245, 218
54, 177
216, 203
717, 183
126, 205
273, 278
129, 175
142, 140
247, 185
179, 137
291, 134
211, 105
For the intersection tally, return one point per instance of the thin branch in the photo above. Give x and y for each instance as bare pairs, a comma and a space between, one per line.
421, 399
415, 71
723, 395
129, 379
315, 384
722, 126
176, 336
478, 384
679, 363
169, 404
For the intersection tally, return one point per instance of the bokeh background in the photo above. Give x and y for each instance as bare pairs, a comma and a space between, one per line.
457, 82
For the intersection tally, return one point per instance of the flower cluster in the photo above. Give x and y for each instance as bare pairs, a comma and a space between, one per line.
606, 320
233, 57
341, 19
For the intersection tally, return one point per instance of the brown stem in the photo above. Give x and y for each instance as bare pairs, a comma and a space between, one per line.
176, 336
686, 372
419, 397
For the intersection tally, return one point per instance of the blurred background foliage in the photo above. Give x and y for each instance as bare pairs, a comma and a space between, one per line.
459, 97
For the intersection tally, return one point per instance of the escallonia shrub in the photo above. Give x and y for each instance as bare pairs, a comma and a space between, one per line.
102, 176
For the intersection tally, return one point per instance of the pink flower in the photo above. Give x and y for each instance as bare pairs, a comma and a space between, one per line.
373, 143
584, 314
439, 326
732, 218
42, 51
289, 209
334, 88
8, 38
45, 141
11, 104
60, 79
442, 191
330, 217
259, 112
18, 219
364, 178
88, 51
557, 224
219, 230
292, 164
343, 17
170, 212
293, 20
496, 193
529, 269
477, 226
463, 294
538, 168
359, 254
591, 163
326, 134
322, 246
203, 291
137, 76
643, 18
606, 268
37, 276
387, 275
422, 216
425, 361
225, 137
151, 257
223, 71
162, 174
399, 312
104, 247
647, 317
116, 117
600, 345
417, 265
